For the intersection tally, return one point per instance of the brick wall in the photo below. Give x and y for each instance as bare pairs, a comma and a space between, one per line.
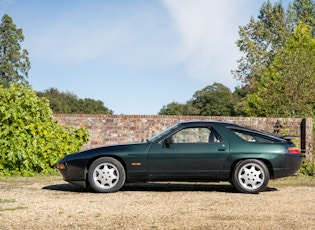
113, 129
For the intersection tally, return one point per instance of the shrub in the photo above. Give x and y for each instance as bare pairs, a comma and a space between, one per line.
30, 138
308, 168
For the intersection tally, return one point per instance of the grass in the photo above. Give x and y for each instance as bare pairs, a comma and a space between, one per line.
31, 179
6, 201
15, 181
13, 209
294, 181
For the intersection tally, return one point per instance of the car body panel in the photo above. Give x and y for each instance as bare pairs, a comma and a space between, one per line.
186, 159
158, 160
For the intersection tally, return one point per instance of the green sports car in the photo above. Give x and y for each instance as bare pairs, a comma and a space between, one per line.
188, 151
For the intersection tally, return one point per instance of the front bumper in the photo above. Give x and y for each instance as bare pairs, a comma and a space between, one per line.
72, 174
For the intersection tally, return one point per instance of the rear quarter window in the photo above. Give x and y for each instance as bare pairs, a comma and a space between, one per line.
253, 137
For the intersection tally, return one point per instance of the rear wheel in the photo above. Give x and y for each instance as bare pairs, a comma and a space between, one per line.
106, 174
250, 176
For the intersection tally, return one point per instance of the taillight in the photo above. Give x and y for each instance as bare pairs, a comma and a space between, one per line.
294, 150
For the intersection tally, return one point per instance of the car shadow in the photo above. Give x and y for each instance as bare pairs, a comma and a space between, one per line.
158, 187
179, 187
67, 188
184, 187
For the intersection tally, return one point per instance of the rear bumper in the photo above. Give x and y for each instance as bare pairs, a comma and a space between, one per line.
290, 166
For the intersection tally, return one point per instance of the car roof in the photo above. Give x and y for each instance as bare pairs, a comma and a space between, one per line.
206, 122
229, 125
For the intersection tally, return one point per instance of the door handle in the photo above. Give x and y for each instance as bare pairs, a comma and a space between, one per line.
221, 148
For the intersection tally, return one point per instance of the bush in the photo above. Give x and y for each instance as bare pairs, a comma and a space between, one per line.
308, 168
30, 138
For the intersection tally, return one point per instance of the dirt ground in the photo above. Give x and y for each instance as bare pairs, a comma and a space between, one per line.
50, 203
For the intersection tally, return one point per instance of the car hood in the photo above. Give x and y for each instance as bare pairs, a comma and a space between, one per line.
119, 149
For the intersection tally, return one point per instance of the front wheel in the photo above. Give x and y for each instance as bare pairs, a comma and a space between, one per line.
250, 176
106, 175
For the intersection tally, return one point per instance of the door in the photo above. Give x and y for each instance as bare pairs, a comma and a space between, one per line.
195, 153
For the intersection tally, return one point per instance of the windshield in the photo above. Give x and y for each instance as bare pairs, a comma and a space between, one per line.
159, 135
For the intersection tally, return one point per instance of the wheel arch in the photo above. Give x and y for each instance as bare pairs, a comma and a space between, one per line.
91, 160
265, 161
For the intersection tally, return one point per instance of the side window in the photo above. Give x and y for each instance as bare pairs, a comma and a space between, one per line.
251, 137
196, 135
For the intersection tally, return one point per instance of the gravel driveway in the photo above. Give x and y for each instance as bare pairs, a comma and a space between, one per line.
50, 203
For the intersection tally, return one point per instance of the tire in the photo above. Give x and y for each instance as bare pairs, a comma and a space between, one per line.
250, 176
106, 175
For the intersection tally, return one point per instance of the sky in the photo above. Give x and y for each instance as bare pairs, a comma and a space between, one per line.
134, 55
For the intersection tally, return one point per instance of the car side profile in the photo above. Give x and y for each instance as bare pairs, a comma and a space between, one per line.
203, 151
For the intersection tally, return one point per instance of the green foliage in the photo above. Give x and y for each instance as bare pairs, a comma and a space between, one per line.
276, 67
30, 138
260, 40
173, 108
213, 100
303, 11
68, 103
287, 87
239, 99
308, 168
14, 62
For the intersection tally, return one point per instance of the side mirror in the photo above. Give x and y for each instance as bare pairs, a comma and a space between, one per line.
168, 141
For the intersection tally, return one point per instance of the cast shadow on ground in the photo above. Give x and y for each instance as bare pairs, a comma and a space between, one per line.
159, 187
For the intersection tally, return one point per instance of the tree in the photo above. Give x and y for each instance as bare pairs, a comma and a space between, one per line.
287, 88
303, 11
69, 103
14, 62
173, 108
213, 100
260, 41
239, 96
30, 138
176, 108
